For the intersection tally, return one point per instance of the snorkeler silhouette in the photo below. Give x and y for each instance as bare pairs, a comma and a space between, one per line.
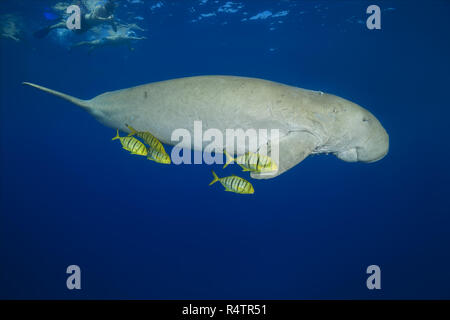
99, 15
113, 39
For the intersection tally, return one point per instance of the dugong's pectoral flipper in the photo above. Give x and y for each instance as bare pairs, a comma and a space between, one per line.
293, 148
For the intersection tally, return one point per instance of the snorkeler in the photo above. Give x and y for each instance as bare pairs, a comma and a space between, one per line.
11, 27
99, 15
114, 39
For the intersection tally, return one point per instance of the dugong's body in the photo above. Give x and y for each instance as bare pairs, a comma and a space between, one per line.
308, 121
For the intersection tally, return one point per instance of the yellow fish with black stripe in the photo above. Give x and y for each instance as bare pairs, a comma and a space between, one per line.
156, 150
132, 144
148, 138
254, 162
234, 184
158, 156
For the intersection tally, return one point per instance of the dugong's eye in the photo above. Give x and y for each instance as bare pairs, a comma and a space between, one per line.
365, 119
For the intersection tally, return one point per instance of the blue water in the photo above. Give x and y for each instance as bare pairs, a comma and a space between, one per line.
69, 195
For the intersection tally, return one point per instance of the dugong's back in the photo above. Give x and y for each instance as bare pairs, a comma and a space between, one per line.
222, 102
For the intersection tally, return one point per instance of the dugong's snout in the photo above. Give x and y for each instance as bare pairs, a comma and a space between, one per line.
376, 146
365, 138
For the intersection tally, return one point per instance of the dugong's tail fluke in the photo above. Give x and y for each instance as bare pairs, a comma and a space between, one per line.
78, 102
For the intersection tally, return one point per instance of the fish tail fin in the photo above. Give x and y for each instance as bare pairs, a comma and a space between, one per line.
230, 159
85, 104
216, 178
133, 131
117, 135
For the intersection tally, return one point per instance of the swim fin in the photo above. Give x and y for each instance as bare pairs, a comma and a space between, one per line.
42, 33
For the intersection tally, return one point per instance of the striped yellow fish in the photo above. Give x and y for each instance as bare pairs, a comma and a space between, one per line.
254, 162
158, 156
155, 150
148, 138
132, 144
234, 184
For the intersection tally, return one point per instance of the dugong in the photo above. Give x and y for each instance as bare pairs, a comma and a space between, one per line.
309, 122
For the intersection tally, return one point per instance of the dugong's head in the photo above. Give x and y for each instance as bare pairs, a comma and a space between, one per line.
364, 138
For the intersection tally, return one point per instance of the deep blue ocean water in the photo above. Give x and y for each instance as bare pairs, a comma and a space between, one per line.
138, 230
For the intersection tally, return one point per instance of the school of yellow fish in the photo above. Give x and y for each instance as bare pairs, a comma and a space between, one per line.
154, 151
